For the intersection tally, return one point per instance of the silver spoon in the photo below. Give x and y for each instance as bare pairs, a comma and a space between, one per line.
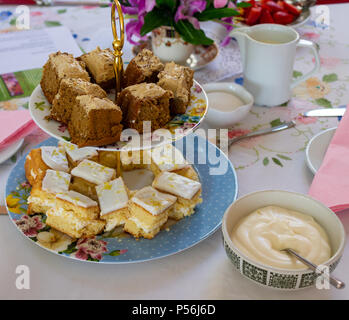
280, 127
335, 282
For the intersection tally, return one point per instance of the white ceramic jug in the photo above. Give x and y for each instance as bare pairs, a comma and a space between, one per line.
268, 52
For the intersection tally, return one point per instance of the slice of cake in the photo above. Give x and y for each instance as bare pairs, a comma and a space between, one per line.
65, 99
87, 175
75, 155
60, 66
168, 158
142, 68
187, 191
42, 197
100, 65
179, 80
149, 210
41, 159
145, 102
67, 222
75, 215
113, 202
94, 121
132, 160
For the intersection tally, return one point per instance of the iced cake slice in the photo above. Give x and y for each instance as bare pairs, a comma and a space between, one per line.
75, 215
113, 202
94, 121
60, 66
75, 155
87, 175
100, 65
168, 158
65, 99
41, 159
42, 197
145, 102
144, 67
149, 210
187, 191
179, 80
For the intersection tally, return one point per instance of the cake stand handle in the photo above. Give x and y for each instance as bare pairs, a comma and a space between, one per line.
118, 44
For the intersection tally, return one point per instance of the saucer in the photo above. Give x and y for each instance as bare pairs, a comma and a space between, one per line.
200, 58
317, 147
10, 151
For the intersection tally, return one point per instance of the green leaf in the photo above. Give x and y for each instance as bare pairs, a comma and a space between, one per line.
66, 138
13, 21
330, 77
154, 19
297, 74
323, 102
114, 253
190, 34
213, 13
283, 157
52, 23
266, 161
277, 161
276, 122
243, 4
60, 11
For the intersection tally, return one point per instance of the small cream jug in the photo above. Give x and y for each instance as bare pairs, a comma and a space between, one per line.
268, 53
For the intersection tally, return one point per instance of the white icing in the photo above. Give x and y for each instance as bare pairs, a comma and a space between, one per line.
55, 158
152, 200
56, 181
93, 172
77, 199
168, 158
177, 185
78, 154
112, 195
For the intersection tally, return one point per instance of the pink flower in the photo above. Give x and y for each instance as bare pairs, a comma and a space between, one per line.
305, 120
220, 3
30, 225
36, 13
237, 133
187, 9
90, 247
134, 26
311, 35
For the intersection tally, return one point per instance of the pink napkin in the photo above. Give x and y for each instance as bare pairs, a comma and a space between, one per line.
331, 182
14, 125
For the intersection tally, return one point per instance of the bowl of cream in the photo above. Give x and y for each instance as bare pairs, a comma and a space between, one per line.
259, 225
228, 103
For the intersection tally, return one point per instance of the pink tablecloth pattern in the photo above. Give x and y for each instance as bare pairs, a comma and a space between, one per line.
270, 162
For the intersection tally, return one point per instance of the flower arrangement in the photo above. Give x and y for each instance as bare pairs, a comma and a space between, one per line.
183, 15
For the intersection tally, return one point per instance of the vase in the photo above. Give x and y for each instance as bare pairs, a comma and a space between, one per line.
168, 45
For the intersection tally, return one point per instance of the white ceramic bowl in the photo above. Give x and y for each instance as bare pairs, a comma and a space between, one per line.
220, 119
276, 277
317, 148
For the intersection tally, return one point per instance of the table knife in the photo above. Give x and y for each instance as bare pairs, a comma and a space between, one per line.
328, 112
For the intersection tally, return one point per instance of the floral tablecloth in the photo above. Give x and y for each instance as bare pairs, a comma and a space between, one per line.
275, 161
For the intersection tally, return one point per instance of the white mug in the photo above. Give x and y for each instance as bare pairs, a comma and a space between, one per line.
268, 53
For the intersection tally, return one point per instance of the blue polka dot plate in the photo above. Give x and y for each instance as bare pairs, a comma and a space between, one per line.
219, 190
